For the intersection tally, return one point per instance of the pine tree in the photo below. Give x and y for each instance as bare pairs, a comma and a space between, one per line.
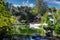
40, 7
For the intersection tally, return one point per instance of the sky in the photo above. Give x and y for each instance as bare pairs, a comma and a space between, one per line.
30, 3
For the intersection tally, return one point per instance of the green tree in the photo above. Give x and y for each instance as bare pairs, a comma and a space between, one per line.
57, 29
23, 13
6, 20
52, 9
53, 27
50, 27
57, 21
56, 16
39, 7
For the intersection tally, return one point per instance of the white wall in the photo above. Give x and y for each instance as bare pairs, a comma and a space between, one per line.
36, 25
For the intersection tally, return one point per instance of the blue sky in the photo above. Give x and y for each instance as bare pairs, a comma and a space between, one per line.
51, 3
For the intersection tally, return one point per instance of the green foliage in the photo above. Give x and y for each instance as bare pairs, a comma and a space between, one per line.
42, 33
23, 13
57, 21
57, 16
23, 30
45, 18
26, 14
6, 19
38, 9
26, 30
23, 21
52, 9
57, 29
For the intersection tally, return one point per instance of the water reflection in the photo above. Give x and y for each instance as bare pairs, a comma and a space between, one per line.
28, 38
20, 37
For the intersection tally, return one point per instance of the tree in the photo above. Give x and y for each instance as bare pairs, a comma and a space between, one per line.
6, 20
53, 27
52, 9
57, 21
50, 27
56, 16
23, 13
40, 8
57, 29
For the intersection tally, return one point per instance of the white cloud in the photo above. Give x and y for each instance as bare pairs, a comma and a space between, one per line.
31, 5
53, 1
15, 5
24, 3
27, 4
57, 2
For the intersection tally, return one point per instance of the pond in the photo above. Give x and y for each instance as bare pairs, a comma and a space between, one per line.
21, 37
17, 38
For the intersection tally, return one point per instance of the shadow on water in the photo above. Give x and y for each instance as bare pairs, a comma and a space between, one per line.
27, 37
21, 37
